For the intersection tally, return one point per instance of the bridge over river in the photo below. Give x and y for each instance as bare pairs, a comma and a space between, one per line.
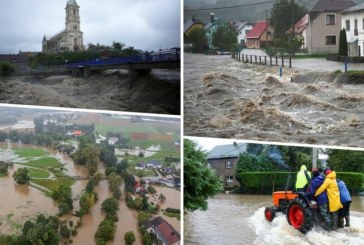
136, 65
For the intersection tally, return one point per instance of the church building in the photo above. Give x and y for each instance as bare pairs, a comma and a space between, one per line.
69, 39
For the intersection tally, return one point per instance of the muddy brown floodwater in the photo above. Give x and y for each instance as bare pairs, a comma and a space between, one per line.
229, 99
239, 219
158, 92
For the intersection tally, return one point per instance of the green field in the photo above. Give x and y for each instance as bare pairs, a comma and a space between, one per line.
38, 173
53, 184
46, 162
30, 152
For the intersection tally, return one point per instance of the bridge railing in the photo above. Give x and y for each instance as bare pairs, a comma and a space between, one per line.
154, 57
264, 60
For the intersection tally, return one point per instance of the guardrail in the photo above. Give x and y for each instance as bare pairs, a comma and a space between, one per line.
264, 60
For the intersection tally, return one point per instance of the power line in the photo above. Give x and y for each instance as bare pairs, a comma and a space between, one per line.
230, 7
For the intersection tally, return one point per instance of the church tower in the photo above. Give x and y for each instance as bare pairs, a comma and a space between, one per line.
73, 26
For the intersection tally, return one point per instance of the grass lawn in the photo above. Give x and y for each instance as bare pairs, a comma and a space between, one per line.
38, 173
30, 152
43, 163
3, 175
53, 184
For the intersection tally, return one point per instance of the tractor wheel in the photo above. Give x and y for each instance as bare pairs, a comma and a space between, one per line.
299, 215
269, 213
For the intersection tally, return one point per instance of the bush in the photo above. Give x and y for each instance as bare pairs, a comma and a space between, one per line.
129, 237
110, 205
6, 69
263, 182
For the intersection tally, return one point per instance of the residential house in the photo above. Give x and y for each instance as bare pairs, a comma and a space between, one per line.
211, 28
164, 232
324, 25
191, 25
177, 181
223, 158
154, 164
140, 166
20, 61
260, 35
300, 29
353, 21
242, 28
112, 140
167, 170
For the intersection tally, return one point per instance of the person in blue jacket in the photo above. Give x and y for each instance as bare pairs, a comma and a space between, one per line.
345, 200
322, 199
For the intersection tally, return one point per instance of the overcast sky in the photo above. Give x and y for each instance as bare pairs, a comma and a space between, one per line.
208, 143
143, 24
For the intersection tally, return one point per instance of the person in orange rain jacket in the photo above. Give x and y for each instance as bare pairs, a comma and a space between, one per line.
330, 185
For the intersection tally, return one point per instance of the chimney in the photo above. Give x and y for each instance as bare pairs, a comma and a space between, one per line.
212, 17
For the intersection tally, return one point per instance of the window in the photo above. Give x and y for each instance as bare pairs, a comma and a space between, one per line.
363, 24
74, 12
74, 27
228, 164
330, 19
330, 40
348, 25
229, 179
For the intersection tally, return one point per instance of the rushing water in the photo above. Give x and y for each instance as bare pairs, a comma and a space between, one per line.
239, 219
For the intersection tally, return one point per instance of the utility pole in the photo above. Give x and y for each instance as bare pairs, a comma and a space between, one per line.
266, 20
293, 34
314, 157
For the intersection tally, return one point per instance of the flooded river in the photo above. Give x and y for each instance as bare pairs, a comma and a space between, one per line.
229, 99
239, 219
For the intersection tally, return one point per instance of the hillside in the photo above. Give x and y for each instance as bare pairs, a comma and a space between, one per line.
249, 13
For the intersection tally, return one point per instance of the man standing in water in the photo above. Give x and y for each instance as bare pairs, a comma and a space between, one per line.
303, 179
345, 199
333, 194
321, 199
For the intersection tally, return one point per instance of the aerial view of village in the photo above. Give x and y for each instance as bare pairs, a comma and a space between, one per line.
120, 56
80, 177
279, 71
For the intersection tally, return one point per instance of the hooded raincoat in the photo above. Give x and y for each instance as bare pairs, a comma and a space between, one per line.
332, 189
301, 181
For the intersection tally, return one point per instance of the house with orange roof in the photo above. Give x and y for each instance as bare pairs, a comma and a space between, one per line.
260, 35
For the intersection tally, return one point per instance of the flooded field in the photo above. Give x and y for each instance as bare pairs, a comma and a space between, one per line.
239, 219
158, 92
229, 99
24, 202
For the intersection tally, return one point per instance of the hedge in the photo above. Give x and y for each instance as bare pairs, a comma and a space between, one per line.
268, 182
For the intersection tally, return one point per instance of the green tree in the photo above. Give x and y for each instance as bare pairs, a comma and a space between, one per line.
143, 216
64, 197
87, 155
161, 198
6, 68
200, 182
105, 231
343, 43
110, 206
21, 176
225, 38
346, 160
114, 185
87, 200
198, 39
43, 231
129, 237
281, 16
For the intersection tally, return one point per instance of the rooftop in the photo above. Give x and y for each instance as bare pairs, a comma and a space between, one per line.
72, 2
332, 5
355, 8
258, 29
230, 150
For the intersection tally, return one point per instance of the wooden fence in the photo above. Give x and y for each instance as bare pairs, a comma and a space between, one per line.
264, 60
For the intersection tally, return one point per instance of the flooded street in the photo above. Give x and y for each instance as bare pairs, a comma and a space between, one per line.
229, 99
239, 219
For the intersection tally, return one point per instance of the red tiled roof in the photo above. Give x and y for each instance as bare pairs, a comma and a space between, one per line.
169, 234
300, 25
77, 132
258, 29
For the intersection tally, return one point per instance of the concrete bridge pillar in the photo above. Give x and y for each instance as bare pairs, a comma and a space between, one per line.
86, 72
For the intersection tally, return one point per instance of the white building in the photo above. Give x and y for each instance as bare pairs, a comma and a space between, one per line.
69, 39
242, 28
353, 22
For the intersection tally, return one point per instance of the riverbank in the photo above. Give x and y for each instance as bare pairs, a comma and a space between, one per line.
158, 92
229, 99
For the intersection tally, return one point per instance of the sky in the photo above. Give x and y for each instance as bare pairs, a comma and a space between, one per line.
142, 24
207, 144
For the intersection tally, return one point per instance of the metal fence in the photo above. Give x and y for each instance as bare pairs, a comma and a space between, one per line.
264, 60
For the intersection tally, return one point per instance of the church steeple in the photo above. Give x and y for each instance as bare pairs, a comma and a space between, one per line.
72, 16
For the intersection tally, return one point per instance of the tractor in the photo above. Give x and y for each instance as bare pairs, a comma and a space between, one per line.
301, 212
